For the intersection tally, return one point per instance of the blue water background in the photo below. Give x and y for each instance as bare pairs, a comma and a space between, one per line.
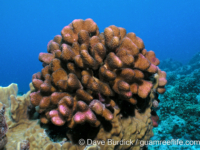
170, 28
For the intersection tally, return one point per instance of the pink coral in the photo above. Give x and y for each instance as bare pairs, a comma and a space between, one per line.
87, 75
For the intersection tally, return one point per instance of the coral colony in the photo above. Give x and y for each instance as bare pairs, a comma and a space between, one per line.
98, 86
82, 66
87, 74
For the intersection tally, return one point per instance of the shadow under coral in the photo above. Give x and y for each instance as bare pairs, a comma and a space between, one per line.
81, 131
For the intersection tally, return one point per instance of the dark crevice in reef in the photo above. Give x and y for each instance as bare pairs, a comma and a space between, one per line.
127, 109
84, 131
142, 104
55, 133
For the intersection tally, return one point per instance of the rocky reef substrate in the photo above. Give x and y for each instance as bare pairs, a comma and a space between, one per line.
179, 108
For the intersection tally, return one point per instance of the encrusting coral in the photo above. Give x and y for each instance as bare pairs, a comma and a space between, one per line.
87, 76
5, 93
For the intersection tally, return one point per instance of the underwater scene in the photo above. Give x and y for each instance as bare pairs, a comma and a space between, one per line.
100, 75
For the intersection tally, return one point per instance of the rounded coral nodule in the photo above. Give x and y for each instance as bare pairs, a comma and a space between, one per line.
87, 75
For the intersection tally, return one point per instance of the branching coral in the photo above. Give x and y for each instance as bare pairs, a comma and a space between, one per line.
86, 74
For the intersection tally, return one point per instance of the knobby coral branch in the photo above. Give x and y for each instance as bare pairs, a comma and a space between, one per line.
87, 73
